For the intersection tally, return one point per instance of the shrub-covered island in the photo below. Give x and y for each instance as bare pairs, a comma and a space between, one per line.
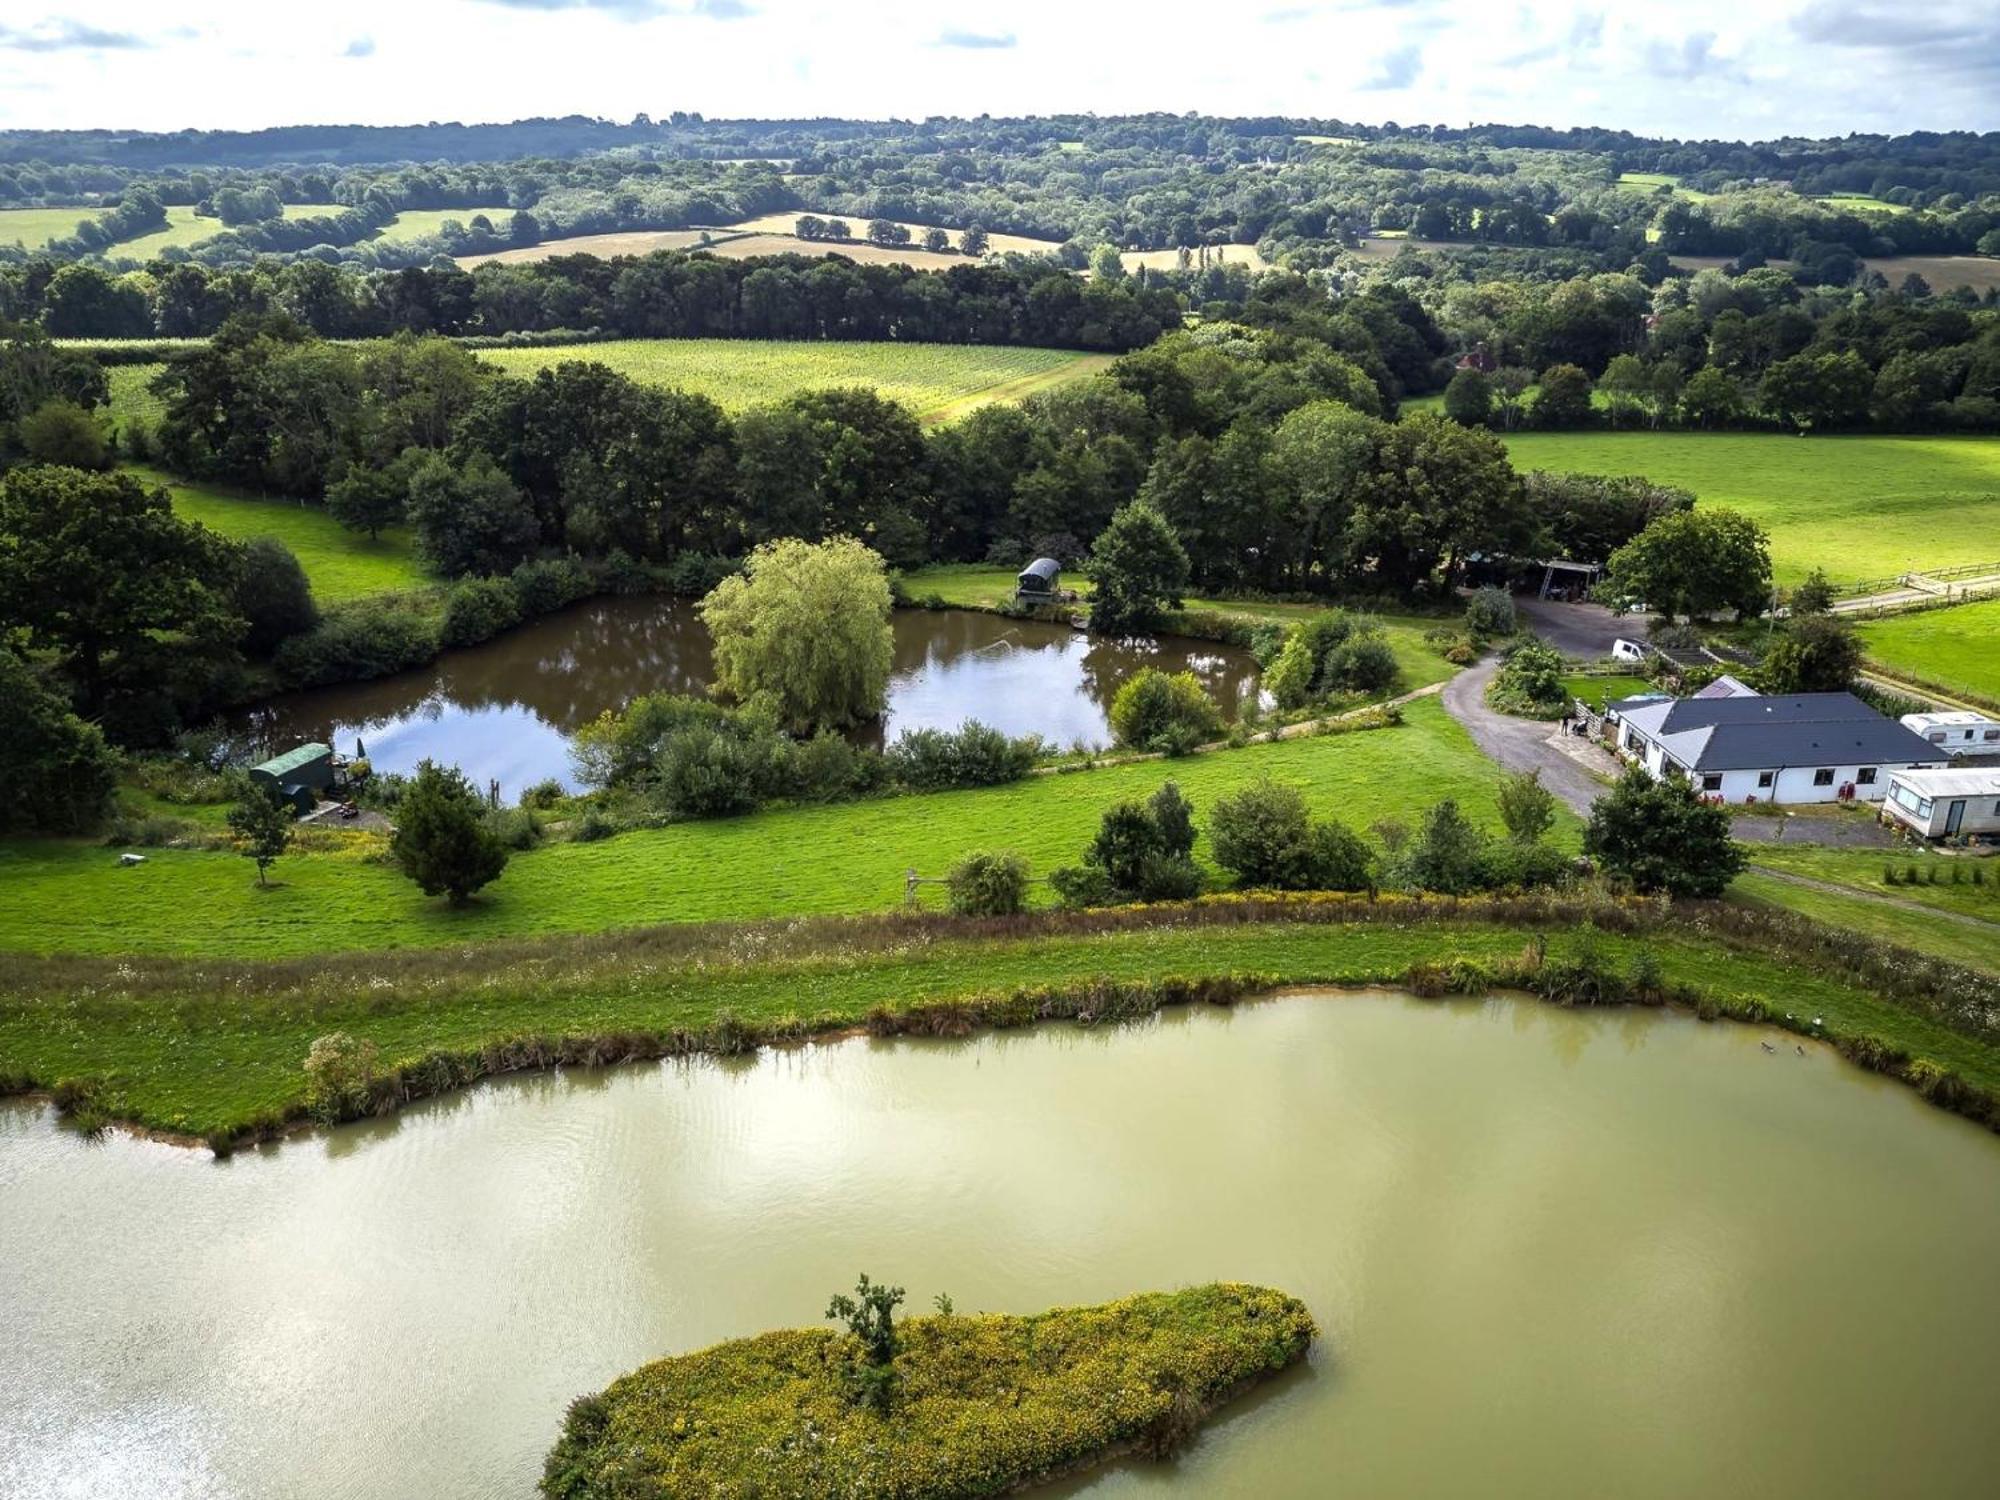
974, 1406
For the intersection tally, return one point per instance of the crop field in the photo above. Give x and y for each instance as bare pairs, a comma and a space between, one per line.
937, 381
996, 242
1860, 507
1956, 648
844, 857
340, 564
1170, 260
628, 242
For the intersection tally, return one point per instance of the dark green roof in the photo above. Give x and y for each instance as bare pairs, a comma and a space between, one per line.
304, 755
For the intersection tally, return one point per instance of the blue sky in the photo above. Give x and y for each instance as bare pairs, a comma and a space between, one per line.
1700, 68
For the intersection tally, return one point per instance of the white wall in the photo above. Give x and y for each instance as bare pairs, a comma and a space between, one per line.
1790, 784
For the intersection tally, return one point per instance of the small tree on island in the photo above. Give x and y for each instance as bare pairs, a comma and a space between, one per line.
870, 1315
442, 840
1661, 836
803, 633
263, 827
1140, 569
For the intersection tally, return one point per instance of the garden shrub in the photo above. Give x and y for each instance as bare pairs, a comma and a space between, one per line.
1489, 612
988, 885
1165, 712
354, 642
1530, 681
1142, 852
928, 760
340, 1076
478, 609
1328, 654
1263, 835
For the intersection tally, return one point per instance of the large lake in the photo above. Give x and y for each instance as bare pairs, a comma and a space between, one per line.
1552, 1253
505, 710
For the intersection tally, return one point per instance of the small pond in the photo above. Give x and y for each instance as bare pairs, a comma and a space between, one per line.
505, 710
1551, 1253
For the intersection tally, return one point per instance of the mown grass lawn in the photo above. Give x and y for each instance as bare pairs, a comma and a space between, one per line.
340, 564
1956, 648
1860, 507
1929, 933
1862, 870
936, 381
846, 857
211, 1054
1597, 691
977, 587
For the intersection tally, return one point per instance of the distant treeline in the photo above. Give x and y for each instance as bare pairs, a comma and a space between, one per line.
668, 294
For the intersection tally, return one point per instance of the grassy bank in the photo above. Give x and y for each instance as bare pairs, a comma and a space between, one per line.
968, 586
984, 1404
215, 1049
1860, 507
936, 381
1925, 931
842, 857
1957, 649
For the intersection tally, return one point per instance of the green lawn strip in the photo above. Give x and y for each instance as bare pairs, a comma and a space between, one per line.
843, 857
1597, 691
1956, 648
1862, 869
1937, 936
340, 564
1860, 507
226, 1050
983, 1403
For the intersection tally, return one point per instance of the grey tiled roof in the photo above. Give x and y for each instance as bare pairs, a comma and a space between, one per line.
1804, 729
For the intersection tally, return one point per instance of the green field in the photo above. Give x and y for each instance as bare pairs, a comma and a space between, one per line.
937, 381
1596, 691
1920, 931
183, 229
416, 223
1956, 648
974, 587
1651, 181
846, 857
1860, 507
35, 227
131, 401
178, 1051
340, 564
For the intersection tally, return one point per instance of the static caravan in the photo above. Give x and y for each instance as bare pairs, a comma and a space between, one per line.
1959, 733
1962, 802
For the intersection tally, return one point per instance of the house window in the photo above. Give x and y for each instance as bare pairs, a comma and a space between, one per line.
1823, 777
1765, 778
1865, 776
1711, 781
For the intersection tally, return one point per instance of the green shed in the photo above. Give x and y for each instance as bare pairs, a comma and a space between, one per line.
297, 776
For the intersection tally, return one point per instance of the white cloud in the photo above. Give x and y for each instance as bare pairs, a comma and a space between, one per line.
1702, 68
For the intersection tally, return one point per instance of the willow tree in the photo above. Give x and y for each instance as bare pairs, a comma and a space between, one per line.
803, 633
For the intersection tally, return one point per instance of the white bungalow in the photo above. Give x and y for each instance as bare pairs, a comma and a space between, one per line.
1946, 804
1957, 733
1805, 747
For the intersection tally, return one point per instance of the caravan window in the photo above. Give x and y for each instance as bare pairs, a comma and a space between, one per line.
1904, 796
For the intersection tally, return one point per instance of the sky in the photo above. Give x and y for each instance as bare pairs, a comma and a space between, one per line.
1747, 69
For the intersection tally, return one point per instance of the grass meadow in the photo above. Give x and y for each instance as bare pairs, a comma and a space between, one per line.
1860, 507
1923, 932
340, 564
840, 858
936, 381
1957, 649
201, 1050
33, 228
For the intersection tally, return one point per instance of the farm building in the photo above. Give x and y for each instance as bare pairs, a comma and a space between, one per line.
1961, 802
298, 776
1039, 580
1805, 747
1957, 734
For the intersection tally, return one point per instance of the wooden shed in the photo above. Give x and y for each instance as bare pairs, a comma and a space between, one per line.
298, 776
1039, 580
